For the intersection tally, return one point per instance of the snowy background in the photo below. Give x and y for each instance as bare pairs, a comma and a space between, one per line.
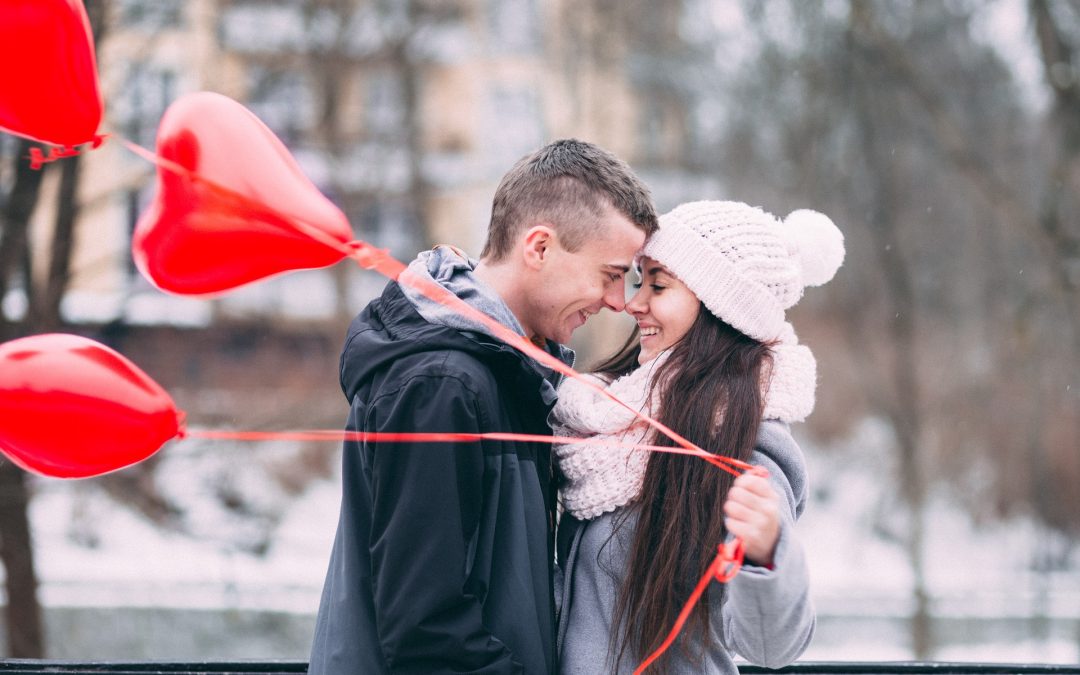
117, 587
941, 136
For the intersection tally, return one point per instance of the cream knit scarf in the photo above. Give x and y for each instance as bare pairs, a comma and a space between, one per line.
602, 478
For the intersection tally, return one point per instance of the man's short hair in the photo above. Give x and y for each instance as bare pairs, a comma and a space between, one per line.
568, 184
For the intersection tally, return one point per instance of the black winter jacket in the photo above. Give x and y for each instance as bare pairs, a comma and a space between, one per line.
443, 557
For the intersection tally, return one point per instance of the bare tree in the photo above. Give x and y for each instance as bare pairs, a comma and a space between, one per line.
22, 612
25, 632
958, 295
26, 637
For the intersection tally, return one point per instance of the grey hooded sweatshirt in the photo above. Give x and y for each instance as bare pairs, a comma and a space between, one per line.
766, 616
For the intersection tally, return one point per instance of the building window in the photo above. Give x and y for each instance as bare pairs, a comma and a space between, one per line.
513, 126
151, 15
282, 100
392, 223
513, 26
263, 27
135, 202
384, 105
147, 93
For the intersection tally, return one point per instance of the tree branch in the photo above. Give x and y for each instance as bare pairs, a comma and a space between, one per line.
1055, 244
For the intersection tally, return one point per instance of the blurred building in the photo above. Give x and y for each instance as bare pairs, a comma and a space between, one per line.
405, 114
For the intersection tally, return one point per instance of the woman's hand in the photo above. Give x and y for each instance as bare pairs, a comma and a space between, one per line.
752, 512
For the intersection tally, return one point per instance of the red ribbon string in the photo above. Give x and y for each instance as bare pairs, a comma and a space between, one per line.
724, 567
729, 464
380, 260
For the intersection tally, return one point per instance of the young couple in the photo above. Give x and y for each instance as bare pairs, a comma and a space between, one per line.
444, 559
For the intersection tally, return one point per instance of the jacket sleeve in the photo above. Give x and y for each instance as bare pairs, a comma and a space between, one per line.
426, 505
767, 616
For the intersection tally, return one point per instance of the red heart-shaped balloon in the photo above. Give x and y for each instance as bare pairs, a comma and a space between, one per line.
71, 407
48, 81
232, 205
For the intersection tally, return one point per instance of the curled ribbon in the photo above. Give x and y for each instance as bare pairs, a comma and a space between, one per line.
56, 153
723, 568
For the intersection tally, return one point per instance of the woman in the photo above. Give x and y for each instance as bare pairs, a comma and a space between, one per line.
713, 359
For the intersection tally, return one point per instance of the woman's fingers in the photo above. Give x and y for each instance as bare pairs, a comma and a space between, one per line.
752, 494
752, 513
755, 484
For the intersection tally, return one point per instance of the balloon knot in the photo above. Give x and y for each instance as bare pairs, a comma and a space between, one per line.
366, 255
181, 424
36, 159
39, 158
729, 559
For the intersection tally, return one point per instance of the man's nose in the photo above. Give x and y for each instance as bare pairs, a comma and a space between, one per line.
615, 296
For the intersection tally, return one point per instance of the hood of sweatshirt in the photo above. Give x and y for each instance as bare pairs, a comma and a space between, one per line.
404, 321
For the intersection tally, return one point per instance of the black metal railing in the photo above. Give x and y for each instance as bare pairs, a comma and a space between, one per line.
38, 667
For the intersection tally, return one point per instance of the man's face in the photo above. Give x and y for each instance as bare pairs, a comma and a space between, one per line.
572, 286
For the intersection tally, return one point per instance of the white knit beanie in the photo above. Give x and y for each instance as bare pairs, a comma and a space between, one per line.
745, 265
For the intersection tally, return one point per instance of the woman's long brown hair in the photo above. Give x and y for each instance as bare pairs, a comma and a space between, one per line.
710, 392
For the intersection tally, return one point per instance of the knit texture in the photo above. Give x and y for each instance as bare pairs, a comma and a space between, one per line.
742, 263
600, 478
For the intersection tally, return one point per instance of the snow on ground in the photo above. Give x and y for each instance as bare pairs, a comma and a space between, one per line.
988, 603
93, 551
853, 526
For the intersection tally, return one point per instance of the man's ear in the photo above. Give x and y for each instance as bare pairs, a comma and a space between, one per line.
539, 241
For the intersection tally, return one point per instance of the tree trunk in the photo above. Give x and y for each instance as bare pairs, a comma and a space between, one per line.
1055, 242
44, 313
22, 612
26, 639
904, 408
419, 190
1057, 203
14, 221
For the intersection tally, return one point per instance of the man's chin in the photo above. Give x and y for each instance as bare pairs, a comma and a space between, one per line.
563, 337
568, 331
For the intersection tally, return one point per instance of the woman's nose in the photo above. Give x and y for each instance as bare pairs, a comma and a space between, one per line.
637, 304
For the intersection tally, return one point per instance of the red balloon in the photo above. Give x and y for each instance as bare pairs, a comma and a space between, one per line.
232, 205
71, 407
48, 81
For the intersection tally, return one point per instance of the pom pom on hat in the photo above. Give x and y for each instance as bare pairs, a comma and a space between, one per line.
742, 263
819, 245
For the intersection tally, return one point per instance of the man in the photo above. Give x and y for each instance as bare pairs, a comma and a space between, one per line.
444, 551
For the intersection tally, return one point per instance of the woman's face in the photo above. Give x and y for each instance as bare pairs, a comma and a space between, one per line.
663, 307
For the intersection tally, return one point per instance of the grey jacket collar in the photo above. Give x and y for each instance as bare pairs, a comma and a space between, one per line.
455, 271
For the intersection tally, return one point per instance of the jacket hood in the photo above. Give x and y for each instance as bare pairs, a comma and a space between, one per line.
452, 269
391, 328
